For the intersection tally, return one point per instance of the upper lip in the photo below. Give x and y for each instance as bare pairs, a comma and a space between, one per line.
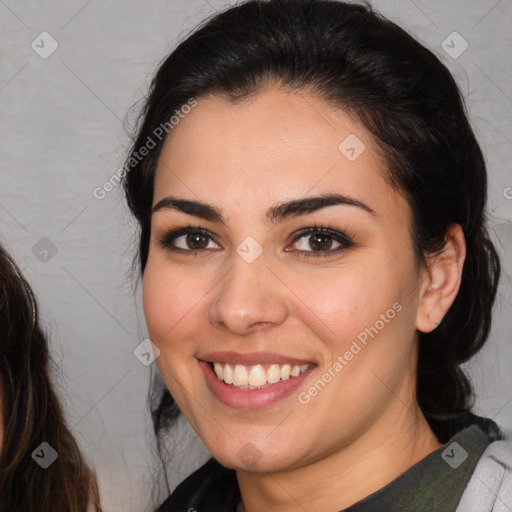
251, 358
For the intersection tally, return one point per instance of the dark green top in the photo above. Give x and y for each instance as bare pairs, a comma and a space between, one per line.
434, 484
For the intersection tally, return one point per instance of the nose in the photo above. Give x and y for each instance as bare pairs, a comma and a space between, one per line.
248, 298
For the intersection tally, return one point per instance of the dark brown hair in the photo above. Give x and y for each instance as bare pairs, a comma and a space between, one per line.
32, 413
359, 61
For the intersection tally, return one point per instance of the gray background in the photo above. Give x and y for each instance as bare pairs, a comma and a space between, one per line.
62, 135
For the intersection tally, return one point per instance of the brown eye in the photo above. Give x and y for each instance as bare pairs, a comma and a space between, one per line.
196, 241
319, 242
188, 239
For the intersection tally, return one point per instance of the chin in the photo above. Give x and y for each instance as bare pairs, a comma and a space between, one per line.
249, 458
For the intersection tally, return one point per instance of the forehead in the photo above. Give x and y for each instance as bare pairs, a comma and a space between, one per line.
275, 146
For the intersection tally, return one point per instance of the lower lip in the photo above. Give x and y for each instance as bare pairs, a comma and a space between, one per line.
250, 398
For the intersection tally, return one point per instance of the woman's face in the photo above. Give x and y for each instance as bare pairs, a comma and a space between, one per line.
266, 293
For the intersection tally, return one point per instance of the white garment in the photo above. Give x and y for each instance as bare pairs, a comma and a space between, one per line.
490, 486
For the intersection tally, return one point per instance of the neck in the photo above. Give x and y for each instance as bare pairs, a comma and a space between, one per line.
376, 458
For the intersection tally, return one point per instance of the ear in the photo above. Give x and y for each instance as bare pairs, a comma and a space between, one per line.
441, 280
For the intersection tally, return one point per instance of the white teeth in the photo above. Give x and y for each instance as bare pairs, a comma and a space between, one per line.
254, 377
274, 374
257, 376
228, 374
240, 376
218, 370
295, 371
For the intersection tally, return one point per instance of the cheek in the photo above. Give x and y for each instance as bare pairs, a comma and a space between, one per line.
347, 301
170, 300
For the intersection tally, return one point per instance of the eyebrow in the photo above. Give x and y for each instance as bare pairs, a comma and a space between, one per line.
275, 215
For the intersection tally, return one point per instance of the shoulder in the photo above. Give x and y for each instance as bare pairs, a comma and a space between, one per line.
490, 485
208, 488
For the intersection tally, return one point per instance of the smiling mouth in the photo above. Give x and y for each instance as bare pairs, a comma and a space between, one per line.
258, 376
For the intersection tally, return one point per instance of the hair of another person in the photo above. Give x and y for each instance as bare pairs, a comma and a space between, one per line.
364, 64
32, 413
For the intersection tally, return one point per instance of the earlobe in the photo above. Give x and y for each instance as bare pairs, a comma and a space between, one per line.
430, 310
442, 282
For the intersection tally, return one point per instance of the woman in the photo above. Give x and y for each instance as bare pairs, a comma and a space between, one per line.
316, 265
41, 468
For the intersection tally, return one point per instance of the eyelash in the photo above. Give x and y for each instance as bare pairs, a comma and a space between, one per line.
165, 241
